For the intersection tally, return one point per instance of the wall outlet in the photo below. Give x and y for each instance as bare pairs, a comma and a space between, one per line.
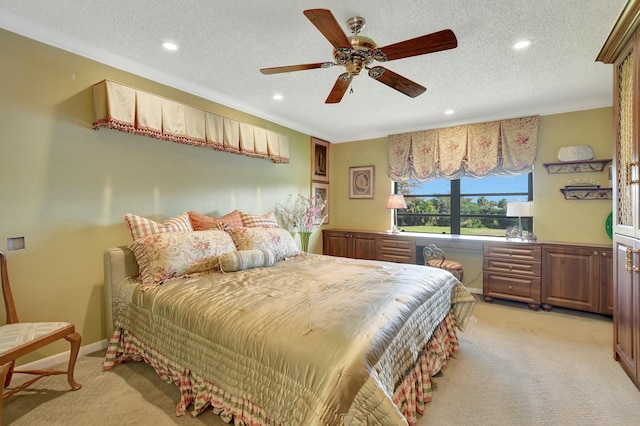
15, 243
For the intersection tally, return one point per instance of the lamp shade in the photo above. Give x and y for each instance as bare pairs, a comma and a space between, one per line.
396, 201
520, 209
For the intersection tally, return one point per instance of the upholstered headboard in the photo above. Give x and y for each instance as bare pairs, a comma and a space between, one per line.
119, 263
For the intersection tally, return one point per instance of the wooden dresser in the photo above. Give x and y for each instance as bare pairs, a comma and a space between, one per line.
541, 274
396, 248
512, 271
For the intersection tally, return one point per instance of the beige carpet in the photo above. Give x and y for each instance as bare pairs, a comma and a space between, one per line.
515, 367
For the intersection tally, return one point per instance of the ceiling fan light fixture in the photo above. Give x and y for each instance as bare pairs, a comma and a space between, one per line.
358, 52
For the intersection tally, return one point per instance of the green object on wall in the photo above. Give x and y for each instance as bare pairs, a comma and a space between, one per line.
608, 225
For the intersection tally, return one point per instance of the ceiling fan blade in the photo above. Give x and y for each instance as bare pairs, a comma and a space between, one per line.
290, 68
339, 89
396, 81
326, 23
434, 42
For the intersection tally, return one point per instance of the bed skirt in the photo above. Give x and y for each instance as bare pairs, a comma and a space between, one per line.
409, 396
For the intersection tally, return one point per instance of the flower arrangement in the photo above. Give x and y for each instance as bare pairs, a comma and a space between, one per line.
301, 214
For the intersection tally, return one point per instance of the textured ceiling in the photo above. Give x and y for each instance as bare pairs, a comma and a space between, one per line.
223, 44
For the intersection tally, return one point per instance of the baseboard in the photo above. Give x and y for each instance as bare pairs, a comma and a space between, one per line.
63, 357
474, 290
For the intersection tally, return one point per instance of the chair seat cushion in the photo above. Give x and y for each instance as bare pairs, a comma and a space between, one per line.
12, 335
449, 265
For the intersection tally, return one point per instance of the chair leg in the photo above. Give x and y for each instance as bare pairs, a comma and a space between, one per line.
6, 378
5, 372
75, 340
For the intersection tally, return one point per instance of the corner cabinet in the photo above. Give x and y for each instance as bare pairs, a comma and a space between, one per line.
353, 244
622, 50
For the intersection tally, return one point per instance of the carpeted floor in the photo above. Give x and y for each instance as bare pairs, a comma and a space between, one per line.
515, 367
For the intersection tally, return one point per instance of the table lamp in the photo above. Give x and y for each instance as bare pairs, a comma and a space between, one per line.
396, 201
519, 209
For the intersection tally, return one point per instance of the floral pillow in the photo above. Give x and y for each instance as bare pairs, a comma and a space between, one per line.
201, 222
141, 226
277, 240
245, 259
169, 255
267, 220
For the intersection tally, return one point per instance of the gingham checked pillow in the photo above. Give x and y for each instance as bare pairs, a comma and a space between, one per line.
141, 226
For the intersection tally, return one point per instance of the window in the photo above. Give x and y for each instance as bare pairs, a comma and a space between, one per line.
464, 206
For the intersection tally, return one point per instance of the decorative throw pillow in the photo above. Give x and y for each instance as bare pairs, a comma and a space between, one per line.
267, 220
141, 227
277, 240
169, 255
245, 259
201, 222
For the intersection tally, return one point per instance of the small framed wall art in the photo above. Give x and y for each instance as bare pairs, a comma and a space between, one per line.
319, 160
361, 181
320, 192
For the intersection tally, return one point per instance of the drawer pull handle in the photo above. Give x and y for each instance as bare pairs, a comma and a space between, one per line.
510, 287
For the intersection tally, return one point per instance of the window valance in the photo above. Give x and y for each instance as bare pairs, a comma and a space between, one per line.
506, 147
131, 110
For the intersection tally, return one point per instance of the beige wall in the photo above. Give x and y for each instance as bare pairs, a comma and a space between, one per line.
65, 187
556, 219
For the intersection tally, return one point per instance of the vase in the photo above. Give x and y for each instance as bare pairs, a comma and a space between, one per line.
304, 240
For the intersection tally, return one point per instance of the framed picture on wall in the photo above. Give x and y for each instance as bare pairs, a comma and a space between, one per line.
361, 181
319, 160
320, 192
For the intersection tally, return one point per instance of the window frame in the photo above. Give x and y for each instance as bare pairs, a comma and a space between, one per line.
455, 198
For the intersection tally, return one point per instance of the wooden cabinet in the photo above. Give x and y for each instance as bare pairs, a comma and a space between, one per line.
511, 271
622, 50
353, 244
396, 248
577, 277
626, 316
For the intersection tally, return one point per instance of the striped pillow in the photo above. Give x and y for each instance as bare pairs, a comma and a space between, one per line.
267, 220
141, 227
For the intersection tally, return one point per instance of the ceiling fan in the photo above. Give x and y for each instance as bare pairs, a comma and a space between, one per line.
357, 52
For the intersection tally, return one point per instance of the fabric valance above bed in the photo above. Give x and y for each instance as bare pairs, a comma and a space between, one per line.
131, 110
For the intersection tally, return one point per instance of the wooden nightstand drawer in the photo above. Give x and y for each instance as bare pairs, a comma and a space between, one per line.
499, 265
396, 248
397, 257
406, 245
513, 251
523, 289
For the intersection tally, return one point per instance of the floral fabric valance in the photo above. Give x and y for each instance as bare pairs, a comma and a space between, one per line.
506, 147
134, 111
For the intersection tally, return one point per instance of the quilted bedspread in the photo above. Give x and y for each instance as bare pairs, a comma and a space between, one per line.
311, 340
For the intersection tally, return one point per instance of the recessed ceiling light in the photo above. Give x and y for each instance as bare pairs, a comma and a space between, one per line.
277, 97
522, 44
169, 45
449, 112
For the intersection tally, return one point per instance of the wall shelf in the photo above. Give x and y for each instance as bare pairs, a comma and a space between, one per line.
577, 166
586, 193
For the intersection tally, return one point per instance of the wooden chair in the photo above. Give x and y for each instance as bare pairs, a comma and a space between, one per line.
18, 339
435, 257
